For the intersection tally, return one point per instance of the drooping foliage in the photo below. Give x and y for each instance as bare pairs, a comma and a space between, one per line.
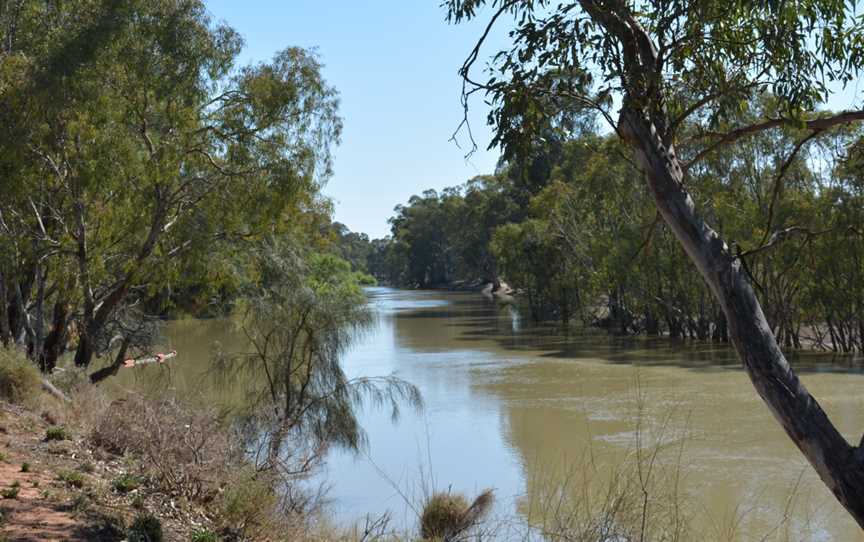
300, 315
138, 161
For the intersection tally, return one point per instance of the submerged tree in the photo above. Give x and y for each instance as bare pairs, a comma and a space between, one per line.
681, 68
302, 314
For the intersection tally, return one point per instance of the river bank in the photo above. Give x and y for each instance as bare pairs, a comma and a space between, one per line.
517, 406
56, 486
110, 463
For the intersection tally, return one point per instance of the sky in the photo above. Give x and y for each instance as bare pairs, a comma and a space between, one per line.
394, 63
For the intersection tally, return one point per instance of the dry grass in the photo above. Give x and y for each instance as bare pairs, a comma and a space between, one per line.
448, 516
20, 381
194, 452
186, 452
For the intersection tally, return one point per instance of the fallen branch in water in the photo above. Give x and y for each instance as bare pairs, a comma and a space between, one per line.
158, 358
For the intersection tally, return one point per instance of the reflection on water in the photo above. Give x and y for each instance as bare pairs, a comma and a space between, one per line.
507, 400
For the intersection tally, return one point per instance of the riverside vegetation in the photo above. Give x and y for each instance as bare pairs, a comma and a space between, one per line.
145, 174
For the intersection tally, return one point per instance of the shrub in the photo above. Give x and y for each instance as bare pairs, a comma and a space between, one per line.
126, 483
20, 381
184, 452
145, 528
71, 478
12, 491
25, 467
247, 504
203, 535
446, 515
441, 514
56, 433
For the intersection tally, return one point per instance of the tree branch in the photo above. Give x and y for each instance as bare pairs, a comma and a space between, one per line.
818, 125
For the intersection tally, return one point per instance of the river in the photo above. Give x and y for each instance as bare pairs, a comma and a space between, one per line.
514, 406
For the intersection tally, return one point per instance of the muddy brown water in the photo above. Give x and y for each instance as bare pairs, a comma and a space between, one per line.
511, 406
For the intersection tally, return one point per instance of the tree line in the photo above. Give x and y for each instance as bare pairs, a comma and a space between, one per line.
143, 170
568, 223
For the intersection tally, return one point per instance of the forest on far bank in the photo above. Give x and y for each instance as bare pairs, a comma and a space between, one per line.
567, 221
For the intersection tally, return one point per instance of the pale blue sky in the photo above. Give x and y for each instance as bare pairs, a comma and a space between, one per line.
395, 65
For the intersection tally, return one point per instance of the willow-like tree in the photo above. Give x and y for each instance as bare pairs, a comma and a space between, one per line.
132, 145
680, 68
301, 314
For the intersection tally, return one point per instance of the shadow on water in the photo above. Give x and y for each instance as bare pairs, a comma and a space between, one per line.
473, 320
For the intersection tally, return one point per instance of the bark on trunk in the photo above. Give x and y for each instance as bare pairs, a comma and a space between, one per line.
112, 369
839, 465
55, 342
5, 331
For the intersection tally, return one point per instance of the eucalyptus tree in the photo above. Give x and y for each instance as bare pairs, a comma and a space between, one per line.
132, 145
679, 68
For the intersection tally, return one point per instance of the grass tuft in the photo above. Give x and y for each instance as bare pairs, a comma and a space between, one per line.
126, 483
203, 535
145, 528
56, 433
71, 478
20, 381
12, 491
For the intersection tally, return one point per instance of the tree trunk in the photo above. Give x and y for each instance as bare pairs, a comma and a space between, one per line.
112, 369
5, 331
838, 464
55, 342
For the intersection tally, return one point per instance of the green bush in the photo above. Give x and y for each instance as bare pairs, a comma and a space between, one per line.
203, 535
71, 478
145, 528
25, 467
56, 433
20, 381
11, 492
247, 503
126, 483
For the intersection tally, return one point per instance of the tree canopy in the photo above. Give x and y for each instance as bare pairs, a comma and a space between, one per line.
135, 155
682, 71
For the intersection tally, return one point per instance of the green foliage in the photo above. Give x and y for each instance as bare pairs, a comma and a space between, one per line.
139, 162
591, 248
203, 535
247, 503
300, 316
729, 94
126, 483
145, 528
25, 467
71, 478
19, 378
439, 239
12, 491
56, 433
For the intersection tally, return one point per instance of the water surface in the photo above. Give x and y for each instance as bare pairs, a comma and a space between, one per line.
511, 405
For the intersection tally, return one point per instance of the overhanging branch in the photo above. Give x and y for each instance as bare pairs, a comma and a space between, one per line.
818, 125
